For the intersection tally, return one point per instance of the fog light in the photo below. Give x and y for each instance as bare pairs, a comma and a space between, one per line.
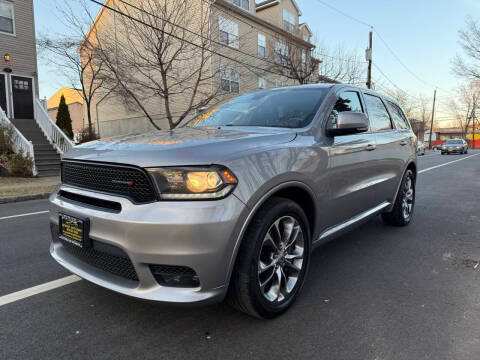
175, 276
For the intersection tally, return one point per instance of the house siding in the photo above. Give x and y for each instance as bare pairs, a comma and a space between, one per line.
21, 47
112, 116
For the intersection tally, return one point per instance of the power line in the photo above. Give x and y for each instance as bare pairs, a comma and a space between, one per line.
384, 42
187, 41
344, 13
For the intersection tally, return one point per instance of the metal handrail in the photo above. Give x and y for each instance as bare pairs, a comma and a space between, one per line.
54, 134
20, 142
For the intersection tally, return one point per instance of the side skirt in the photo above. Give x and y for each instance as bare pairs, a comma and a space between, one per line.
342, 228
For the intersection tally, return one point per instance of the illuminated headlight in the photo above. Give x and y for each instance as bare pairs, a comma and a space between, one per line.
193, 183
444, 147
458, 147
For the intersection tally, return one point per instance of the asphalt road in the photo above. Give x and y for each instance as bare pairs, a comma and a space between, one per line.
376, 293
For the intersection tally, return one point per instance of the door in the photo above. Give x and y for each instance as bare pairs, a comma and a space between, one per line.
392, 149
22, 93
350, 175
3, 93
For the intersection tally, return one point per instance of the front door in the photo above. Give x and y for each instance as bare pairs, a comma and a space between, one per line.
351, 176
3, 93
22, 97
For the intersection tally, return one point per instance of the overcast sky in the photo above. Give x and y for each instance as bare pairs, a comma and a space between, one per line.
422, 33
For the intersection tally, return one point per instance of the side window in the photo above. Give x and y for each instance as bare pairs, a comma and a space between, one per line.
377, 113
397, 115
347, 101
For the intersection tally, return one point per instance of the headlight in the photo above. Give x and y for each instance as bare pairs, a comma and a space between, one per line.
193, 183
443, 147
458, 147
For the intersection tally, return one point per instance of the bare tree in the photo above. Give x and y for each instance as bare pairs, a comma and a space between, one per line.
161, 50
293, 61
464, 108
316, 64
340, 65
469, 66
82, 68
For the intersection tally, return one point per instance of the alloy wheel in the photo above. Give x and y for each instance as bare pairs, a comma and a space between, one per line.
281, 259
408, 198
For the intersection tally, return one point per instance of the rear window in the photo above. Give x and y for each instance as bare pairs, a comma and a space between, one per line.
398, 117
287, 108
377, 114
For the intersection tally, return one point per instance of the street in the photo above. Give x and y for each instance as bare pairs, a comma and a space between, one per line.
378, 292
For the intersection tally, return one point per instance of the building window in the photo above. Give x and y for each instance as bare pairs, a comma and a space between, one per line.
262, 83
229, 80
280, 83
304, 61
288, 21
21, 85
281, 53
7, 19
242, 4
228, 32
262, 45
305, 37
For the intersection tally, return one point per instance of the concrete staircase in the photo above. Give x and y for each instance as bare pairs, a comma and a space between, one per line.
47, 160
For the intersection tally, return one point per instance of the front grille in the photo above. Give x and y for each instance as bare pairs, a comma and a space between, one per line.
119, 265
125, 181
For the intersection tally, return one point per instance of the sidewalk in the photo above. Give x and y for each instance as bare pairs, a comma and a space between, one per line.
17, 189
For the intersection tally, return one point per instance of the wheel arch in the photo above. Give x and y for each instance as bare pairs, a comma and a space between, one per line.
410, 166
296, 191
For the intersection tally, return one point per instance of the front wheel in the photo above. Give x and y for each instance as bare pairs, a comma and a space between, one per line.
402, 211
272, 261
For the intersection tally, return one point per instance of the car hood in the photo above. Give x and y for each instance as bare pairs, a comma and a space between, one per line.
180, 147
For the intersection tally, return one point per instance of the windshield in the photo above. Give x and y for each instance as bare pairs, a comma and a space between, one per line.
454, 142
288, 108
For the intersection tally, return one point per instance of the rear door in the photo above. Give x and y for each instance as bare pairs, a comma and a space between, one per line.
350, 165
394, 143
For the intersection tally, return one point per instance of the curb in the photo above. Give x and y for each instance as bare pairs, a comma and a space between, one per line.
13, 199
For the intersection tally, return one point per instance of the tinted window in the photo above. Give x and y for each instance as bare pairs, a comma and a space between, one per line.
377, 113
397, 115
347, 101
278, 108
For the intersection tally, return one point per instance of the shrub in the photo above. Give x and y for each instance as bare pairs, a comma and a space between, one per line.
6, 139
85, 135
21, 165
64, 122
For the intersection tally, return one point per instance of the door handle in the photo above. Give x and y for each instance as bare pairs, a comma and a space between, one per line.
403, 142
370, 147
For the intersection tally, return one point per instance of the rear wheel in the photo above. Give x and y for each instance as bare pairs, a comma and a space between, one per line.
402, 211
272, 261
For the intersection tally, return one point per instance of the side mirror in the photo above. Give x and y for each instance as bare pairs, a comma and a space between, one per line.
349, 122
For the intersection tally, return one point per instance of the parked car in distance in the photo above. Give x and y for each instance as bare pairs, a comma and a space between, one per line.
232, 203
458, 146
420, 148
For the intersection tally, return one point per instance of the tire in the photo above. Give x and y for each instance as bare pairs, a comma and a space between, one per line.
245, 292
405, 198
466, 151
443, 153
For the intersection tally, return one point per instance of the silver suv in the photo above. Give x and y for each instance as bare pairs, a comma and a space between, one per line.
232, 203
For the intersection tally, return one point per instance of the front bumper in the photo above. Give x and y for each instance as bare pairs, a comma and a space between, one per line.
452, 150
200, 235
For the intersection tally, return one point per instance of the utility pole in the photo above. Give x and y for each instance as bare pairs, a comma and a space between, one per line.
431, 123
474, 116
368, 57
